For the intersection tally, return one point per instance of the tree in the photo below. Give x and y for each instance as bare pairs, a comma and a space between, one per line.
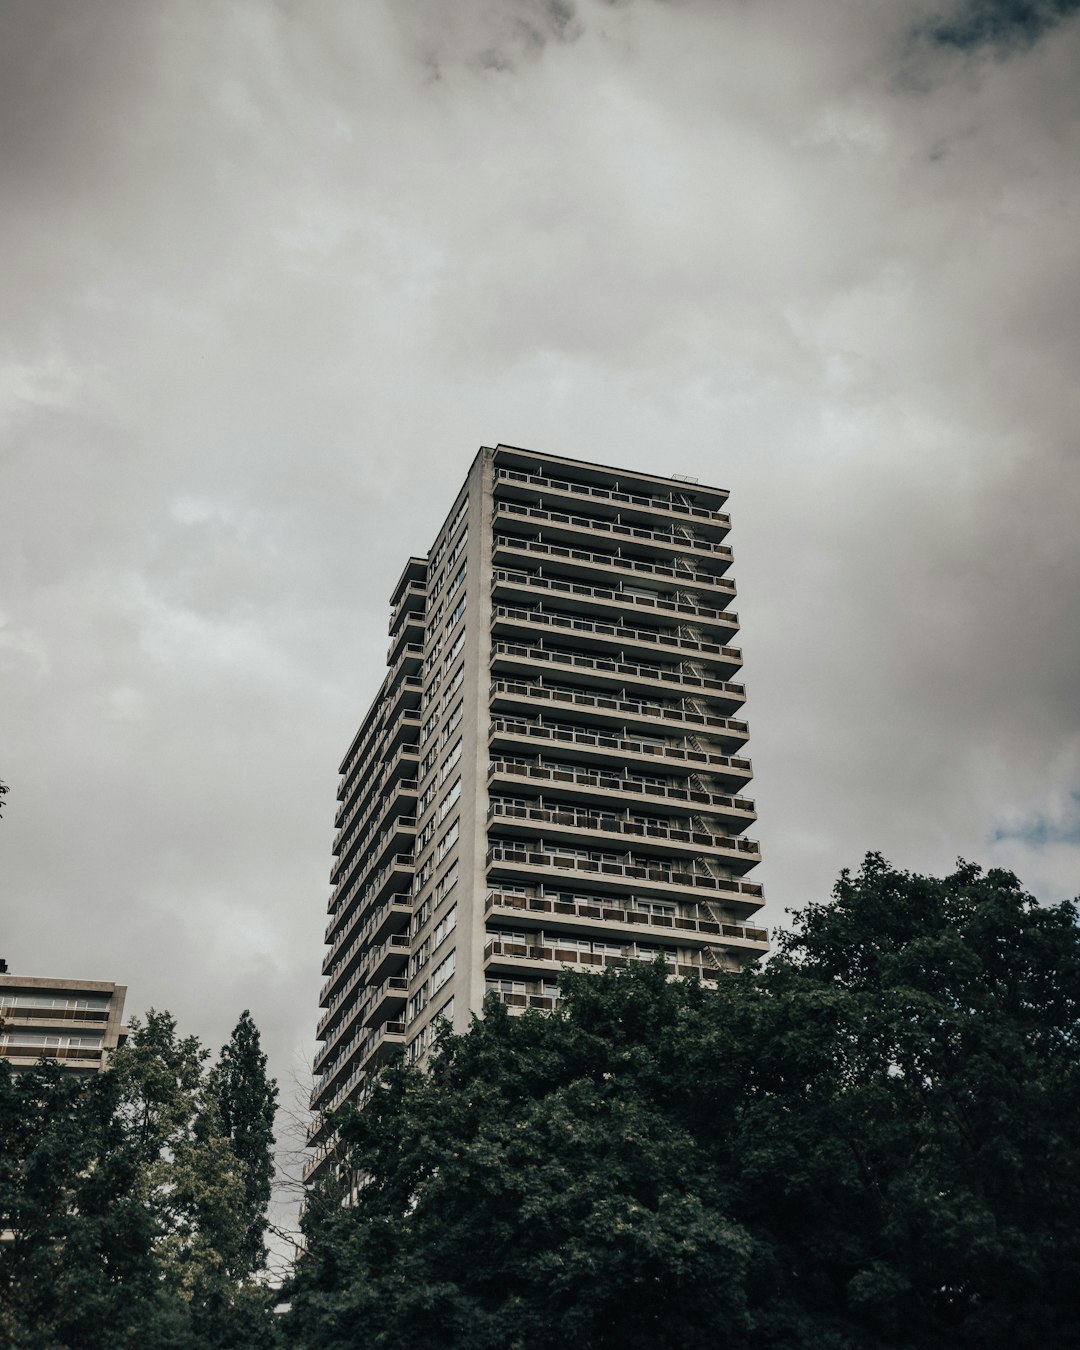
868, 1143
128, 1205
246, 1103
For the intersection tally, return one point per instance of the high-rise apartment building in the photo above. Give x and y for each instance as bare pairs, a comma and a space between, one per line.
552, 772
76, 1022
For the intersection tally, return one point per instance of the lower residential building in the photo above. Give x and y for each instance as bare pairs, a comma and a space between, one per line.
76, 1022
553, 771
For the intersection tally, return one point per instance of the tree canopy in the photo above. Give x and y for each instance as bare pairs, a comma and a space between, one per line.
870, 1142
134, 1199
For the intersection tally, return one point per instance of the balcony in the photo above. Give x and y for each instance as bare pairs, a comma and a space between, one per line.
610, 674
542, 911
532, 486
730, 770
398, 870
362, 930
586, 785
387, 1000
616, 604
618, 638
593, 827
409, 631
600, 565
370, 846
508, 695
653, 543
413, 600
656, 881
501, 955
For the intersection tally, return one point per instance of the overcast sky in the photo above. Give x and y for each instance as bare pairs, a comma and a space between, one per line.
272, 272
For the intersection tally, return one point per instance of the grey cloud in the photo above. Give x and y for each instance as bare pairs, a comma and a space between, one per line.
1002, 24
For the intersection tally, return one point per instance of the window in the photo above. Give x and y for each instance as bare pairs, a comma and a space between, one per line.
449, 762
448, 801
455, 683
455, 650
459, 516
458, 548
443, 971
425, 836
446, 1012
423, 876
428, 760
419, 958
449, 839
418, 1002
446, 884
459, 610
446, 924
429, 726
453, 723
459, 577
423, 913
429, 794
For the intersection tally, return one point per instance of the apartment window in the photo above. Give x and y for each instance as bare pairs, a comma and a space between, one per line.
455, 650
451, 759
446, 884
425, 836
442, 972
449, 839
448, 801
455, 683
446, 924
423, 876
446, 1012
462, 512
419, 958
459, 577
429, 793
418, 1002
458, 548
429, 725
453, 722
423, 913
428, 760
459, 610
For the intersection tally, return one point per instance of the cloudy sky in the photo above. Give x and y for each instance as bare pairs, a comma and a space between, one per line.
274, 271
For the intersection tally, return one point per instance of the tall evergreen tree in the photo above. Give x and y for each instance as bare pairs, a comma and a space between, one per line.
246, 1102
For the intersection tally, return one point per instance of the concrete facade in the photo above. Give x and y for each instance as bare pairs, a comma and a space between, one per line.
552, 772
76, 1022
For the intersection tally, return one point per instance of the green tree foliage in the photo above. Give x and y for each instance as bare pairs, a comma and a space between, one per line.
869, 1143
128, 1205
246, 1102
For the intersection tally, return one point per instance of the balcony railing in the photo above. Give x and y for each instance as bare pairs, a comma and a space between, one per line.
606, 911
618, 632
570, 956
626, 706
628, 668
685, 576
343, 902
702, 759
628, 871
609, 782
694, 613
635, 829
675, 539
613, 495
